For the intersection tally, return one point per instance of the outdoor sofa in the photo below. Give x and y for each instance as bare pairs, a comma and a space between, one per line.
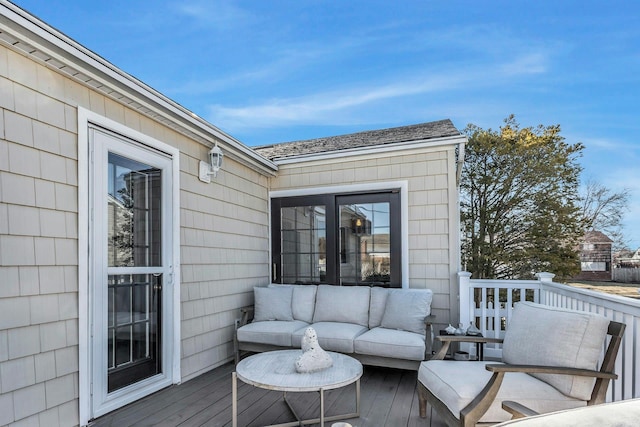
378, 326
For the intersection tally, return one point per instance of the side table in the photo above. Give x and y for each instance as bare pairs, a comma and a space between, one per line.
479, 344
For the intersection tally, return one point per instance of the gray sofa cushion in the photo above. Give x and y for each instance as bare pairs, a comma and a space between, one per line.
406, 310
274, 332
376, 305
347, 304
332, 336
272, 304
549, 336
303, 301
391, 343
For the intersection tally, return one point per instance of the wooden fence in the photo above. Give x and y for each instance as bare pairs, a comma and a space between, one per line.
626, 275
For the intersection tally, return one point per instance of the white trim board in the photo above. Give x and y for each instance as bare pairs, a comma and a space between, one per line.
85, 119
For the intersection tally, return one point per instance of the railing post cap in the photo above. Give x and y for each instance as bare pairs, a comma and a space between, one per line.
464, 274
545, 277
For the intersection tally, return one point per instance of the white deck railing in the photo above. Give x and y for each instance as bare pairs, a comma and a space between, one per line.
489, 303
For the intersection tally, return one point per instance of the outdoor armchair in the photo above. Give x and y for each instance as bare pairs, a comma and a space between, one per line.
549, 362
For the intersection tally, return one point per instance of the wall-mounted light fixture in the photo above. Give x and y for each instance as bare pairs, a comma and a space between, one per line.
211, 168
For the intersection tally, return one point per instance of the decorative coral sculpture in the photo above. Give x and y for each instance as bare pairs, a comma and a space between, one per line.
313, 357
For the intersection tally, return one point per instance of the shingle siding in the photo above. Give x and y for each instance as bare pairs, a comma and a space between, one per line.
224, 242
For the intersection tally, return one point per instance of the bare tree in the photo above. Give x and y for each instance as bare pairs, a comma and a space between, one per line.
604, 210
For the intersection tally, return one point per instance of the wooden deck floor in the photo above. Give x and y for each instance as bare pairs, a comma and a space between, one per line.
388, 398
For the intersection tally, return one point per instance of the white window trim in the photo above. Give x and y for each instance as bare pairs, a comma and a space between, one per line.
356, 188
85, 117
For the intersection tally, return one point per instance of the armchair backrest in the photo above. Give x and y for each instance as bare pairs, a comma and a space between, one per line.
615, 332
550, 336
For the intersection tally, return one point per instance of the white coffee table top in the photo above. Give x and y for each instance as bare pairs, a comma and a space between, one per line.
275, 370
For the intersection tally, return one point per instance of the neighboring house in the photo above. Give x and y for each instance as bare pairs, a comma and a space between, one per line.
595, 257
631, 261
122, 272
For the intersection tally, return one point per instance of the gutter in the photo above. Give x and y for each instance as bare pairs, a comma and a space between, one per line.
26, 34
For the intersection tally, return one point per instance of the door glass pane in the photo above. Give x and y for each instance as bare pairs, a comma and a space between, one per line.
134, 221
303, 240
133, 329
365, 252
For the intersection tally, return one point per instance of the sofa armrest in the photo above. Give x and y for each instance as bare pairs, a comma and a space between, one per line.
428, 339
246, 315
448, 339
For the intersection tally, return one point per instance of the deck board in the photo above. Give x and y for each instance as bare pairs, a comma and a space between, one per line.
388, 398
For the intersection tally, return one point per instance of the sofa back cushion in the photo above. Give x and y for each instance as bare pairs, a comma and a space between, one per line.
348, 304
303, 300
377, 304
272, 304
549, 336
406, 309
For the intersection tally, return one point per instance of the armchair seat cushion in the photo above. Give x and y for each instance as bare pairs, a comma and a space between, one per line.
391, 343
332, 336
274, 332
457, 383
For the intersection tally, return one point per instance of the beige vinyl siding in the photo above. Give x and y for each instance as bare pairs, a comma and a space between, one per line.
223, 240
38, 246
432, 198
224, 253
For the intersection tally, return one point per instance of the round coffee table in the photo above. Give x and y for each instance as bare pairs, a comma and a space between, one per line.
275, 370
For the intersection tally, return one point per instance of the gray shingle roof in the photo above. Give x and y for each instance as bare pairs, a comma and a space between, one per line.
419, 132
594, 236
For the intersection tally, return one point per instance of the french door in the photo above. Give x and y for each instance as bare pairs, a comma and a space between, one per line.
131, 271
340, 239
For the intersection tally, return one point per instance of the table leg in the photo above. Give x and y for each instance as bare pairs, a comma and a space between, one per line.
299, 422
321, 407
358, 398
234, 400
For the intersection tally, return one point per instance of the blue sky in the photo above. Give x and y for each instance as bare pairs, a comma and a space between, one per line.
275, 71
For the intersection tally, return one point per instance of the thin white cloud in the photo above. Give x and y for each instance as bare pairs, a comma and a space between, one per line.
216, 16
534, 63
318, 108
336, 106
608, 144
283, 61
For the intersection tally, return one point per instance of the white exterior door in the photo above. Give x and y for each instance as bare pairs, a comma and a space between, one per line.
131, 270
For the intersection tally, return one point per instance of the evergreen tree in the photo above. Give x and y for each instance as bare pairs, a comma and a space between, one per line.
519, 202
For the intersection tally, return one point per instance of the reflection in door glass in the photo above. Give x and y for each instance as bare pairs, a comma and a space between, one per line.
134, 234
134, 202
304, 244
365, 254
